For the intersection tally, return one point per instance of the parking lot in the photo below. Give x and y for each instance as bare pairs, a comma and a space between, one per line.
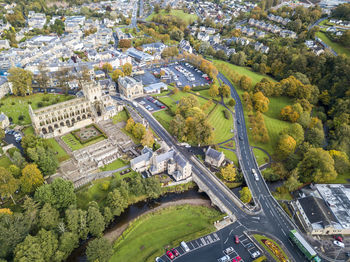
150, 103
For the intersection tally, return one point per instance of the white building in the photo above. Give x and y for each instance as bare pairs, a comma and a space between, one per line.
129, 87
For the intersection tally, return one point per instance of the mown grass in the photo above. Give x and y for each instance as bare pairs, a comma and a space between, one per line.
259, 238
5, 161
222, 126
74, 144
60, 152
150, 234
188, 18
164, 118
14, 106
338, 48
114, 165
121, 116
230, 155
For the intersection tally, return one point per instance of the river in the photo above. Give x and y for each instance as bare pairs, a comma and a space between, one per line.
133, 212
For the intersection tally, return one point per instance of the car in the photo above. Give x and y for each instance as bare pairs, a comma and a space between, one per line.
238, 122
175, 252
338, 243
236, 239
169, 254
228, 250
158, 259
240, 138
225, 258
238, 258
162, 107
339, 238
255, 254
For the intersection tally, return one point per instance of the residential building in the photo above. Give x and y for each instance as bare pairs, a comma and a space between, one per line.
4, 121
154, 47
129, 87
36, 20
4, 44
214, 157
186, 46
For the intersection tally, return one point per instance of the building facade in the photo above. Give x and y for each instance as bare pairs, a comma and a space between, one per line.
129, 87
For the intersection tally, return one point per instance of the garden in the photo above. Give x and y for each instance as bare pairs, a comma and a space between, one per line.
272, 247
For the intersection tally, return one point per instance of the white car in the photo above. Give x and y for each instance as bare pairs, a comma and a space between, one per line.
338, 243
255, 254
228, 250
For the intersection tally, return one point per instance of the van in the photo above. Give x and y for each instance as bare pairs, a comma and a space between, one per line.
184, 246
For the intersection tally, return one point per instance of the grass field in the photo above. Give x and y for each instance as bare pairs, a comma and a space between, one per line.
222, 126
74, 144
163, 118
29, 130
14, 106
146, 237
5, 161
259, 238
121, 116
188, 18
338, 48
114, 165
230, 155
61, 153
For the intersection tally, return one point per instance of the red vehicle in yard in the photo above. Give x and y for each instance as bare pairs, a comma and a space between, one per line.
170, 255
175, 252
236, 239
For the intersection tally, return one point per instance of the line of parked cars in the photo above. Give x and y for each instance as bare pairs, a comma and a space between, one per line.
16, 134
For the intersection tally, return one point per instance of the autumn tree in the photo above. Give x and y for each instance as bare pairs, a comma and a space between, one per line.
245, 83
130, 125
21, 81
341, 161
107, 67
289, 114
285, 146
31, 178
228, 173
187, 88
127, 69
124, 43
245, 195
138, 130
261, 102
225, 90
148, 138
116, 74
296, 131
317, 166
214, 91
8, 184
232, 102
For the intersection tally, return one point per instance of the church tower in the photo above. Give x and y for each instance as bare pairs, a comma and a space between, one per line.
92, 91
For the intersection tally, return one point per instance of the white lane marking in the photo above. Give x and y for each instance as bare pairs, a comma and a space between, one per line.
226, 241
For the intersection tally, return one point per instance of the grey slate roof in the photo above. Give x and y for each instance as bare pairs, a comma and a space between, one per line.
214, 154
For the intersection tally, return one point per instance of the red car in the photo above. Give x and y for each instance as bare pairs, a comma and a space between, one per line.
162, 107
170, 255
339, 238
238, 258
236, 239
175, 252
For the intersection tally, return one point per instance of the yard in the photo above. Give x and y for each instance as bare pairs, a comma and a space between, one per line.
338, 48
5, 161
16, 107
74, 144
61, 153
188, 18
145, 238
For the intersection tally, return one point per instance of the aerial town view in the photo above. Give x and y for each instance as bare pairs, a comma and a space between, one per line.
175, 130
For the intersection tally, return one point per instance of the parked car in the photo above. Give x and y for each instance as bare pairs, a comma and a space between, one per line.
225, 258
338, 243
238, 258
170, 255
184, 246
339, 238
255, 254
228, 250
175, 252
158, 259
236, 239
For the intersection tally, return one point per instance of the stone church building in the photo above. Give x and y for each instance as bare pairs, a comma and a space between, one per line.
62, 118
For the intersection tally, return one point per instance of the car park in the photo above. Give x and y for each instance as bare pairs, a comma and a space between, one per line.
170, 255
175, 252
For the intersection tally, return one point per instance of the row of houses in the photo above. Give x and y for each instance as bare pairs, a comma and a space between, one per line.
270, 28
278, 19
260, 47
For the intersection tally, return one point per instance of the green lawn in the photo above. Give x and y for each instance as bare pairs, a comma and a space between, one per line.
61, 153
338, 48
230, 155
28, 130
222, 126
18, 106
188, 18
114, 165
164, 118
121, 116
74, 144
5, 161
259, 238
149, 235
341, 179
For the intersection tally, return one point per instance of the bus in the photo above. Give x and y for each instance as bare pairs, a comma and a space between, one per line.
303, 246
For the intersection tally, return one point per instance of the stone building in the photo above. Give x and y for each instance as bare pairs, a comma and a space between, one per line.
61, 118
129, 87
214, 157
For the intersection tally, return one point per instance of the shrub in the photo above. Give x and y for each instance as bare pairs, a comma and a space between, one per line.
13, 103
40, 104
20, 117
226, 114
45, 99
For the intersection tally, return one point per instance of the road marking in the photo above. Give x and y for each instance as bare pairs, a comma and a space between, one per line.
226, 241
231, 231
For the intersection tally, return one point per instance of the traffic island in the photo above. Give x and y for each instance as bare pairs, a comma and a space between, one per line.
272, 247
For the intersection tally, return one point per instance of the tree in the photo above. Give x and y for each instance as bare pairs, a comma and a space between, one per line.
42, 78
341, 161
292, 182
176, 34
8, 184
138, 130
239, 58
48, 217
60, 194
285, 146
130, 125
168, 9
67, 243
315, 136
245, 83
152, 187
41, 247
261, 102
58, 27
228, 173
76, 222
288, 114
317, 166
156, 8
225, 90
124, 43
116, 202
148, 139
116, 74
214, 91
31, 178
245, 195
63, 78
107, 67
21, 81
297, 132
187, 88
127, 69
170, 52
99, 249
231, 102
95, 220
